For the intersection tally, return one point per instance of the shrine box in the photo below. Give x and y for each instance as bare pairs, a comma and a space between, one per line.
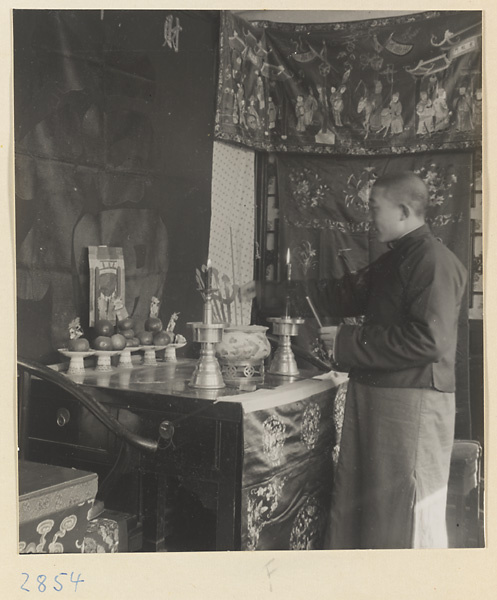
53, 507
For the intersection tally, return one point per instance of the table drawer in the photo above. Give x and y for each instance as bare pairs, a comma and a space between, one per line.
62, 419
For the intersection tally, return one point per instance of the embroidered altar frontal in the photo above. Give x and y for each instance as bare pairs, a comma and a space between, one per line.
288, 468
53, 507
402, 84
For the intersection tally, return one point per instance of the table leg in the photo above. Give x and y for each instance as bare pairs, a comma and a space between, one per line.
154, 509
228, 518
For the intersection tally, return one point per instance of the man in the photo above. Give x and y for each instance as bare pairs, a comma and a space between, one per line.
391, 483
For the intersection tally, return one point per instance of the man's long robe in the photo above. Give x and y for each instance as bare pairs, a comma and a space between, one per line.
391, 484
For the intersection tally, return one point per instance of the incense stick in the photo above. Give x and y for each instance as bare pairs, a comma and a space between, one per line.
233, 271
311, 306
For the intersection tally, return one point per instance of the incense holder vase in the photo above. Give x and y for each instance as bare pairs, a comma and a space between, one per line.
241, 342
242, 352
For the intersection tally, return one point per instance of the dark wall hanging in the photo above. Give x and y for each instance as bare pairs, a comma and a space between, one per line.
403, 84
113, 146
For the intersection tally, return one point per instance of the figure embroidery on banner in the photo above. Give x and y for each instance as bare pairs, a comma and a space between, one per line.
371, 87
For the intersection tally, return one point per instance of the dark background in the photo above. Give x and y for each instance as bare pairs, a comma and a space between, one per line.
113, 133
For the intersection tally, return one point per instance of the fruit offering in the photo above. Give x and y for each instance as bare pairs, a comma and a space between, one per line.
77, 343
118, 341
146, 338
103, 327
102, 342
125, 324
153, 324
163, 338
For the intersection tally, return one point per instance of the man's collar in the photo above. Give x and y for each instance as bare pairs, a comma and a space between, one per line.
417, 231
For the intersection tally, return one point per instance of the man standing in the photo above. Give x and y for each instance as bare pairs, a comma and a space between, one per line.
391, 483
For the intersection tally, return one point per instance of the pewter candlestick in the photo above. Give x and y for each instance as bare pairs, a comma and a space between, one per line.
207, 373
284, 362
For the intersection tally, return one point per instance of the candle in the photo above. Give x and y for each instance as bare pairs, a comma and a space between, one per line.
288, 266
209, 274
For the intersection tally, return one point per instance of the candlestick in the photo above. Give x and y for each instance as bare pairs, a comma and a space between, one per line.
288, 266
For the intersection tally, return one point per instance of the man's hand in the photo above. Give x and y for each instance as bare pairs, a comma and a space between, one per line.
328, 335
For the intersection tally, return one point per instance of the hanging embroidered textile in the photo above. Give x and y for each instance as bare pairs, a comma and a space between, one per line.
402, 84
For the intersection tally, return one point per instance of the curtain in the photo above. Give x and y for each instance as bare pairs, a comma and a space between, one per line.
402, 84
232, 229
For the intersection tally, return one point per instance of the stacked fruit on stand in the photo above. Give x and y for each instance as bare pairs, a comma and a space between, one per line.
110, 337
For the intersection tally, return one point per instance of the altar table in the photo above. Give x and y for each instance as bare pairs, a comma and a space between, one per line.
261, 460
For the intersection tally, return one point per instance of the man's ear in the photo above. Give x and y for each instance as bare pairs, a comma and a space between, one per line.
405, 211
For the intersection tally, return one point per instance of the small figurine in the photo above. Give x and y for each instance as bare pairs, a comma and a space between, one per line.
77, 343
75, 329
172, 322
154, 306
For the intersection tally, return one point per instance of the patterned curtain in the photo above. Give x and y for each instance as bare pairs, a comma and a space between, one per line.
232, 229
324, 221
403, 84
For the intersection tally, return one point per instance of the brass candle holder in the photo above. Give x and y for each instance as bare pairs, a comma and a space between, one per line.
207, 374
284, 362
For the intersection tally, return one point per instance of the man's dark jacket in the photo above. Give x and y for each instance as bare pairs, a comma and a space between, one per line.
411, 298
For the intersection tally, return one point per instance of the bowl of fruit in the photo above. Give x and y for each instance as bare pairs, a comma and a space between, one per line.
125, 328
153, 339
77, 349
106, 344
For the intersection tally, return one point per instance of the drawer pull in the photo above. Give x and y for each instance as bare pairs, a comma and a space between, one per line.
166, 430
63, 417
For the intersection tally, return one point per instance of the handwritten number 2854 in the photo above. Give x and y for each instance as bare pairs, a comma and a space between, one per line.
41, 582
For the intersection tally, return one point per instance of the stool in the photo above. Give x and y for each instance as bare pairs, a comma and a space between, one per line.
464, 495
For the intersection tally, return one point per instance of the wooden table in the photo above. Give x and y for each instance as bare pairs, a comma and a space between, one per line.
202, 445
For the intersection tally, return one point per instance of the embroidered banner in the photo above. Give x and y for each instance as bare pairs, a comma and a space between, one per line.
403, 84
